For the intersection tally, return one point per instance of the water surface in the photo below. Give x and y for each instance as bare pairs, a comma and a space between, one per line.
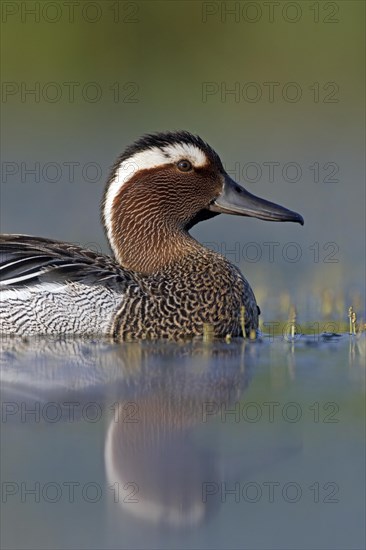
183, 445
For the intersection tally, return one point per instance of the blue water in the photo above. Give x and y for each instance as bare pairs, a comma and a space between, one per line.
193, 445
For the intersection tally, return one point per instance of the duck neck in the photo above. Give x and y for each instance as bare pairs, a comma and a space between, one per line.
151, 245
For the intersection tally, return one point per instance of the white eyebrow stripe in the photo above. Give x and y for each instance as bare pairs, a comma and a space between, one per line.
144, 160
178, 151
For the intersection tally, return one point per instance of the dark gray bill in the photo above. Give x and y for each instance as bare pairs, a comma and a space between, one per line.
234, 199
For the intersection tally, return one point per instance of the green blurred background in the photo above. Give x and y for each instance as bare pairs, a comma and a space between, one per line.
137, 67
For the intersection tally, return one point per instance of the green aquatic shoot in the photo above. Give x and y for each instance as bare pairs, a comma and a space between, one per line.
350, 313
208, 332
242, 320
252, 334
292, 321
353, 321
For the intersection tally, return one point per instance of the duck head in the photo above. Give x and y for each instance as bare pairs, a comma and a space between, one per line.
163, 185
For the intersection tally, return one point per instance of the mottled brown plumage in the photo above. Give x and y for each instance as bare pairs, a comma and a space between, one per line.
200, 288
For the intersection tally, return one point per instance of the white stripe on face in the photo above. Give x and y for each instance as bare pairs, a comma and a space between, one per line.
144, 160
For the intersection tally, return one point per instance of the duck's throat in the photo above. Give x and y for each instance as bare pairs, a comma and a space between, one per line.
151, 249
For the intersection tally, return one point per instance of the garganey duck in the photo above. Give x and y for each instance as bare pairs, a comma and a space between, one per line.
161, 282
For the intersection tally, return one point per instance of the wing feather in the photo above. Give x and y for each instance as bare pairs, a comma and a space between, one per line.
26, 260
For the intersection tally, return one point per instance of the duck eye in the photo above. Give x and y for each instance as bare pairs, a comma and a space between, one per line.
184, 165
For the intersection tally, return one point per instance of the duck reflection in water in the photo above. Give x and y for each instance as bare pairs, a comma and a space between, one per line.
161, 441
